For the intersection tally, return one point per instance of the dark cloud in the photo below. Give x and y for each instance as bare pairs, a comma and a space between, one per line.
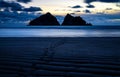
77, 11
3, 4
32, 9
6, 17
118, 4
12, 5
90, 6
24, 1
76, 6
89, 1
72, 13
108, 8
102, 19
16, 7
87, 11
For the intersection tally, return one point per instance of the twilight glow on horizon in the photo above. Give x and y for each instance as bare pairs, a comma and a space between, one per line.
62, 7
98, 12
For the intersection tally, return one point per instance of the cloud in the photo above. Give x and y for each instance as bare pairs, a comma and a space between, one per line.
90, 6
14, 17
76, 6
9, 11
16, 7
108, 8
87, 11
102, 19
24, 1
72, 13
12, 5
32, 9
77, 11
89, 1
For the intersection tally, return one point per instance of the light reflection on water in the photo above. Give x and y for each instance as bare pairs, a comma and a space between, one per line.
59, 33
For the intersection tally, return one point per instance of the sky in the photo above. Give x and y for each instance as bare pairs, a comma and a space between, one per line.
61, 7
97, 10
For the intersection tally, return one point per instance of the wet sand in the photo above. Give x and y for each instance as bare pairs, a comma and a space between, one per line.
60, 57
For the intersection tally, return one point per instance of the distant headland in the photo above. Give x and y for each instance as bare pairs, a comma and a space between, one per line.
49, 19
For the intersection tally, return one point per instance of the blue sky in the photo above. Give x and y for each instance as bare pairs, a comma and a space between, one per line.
97, 10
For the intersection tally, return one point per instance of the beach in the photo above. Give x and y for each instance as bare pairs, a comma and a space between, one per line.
59, 57
62, 38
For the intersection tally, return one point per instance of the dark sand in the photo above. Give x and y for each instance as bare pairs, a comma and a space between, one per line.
60, 57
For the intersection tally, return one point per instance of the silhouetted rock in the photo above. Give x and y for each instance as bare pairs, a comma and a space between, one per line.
70, 20
46, 19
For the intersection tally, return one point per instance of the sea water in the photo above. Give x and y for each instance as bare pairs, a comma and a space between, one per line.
60, 31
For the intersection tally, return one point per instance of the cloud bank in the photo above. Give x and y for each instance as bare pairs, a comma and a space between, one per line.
14, 6
76, 6
32, 9
24, 1
11, 5
89, 1
90, 6
12, 11
87, 11
102, 19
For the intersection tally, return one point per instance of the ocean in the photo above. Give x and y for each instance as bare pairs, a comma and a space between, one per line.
84, 51
60, 31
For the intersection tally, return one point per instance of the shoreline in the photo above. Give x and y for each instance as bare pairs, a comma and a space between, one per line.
58, 37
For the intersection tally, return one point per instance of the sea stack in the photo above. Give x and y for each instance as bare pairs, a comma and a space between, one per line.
70, 20
46, 19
